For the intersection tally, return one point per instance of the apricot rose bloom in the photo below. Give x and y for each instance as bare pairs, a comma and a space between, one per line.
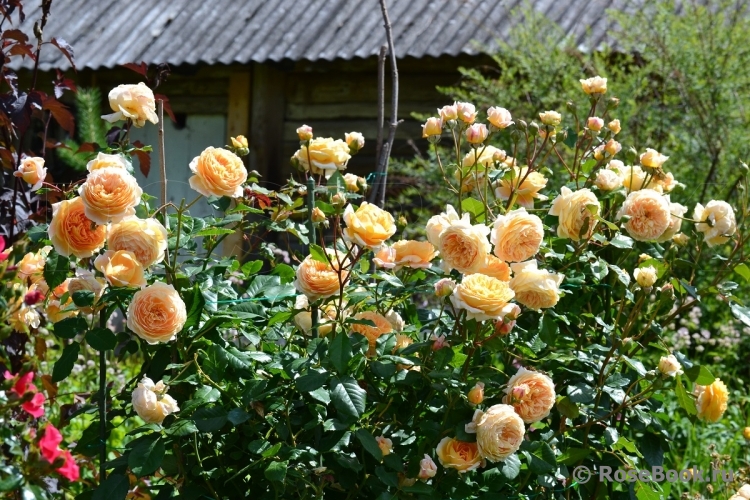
575, 210
464, 246
607, 180
218, 172
495, 268
32, 171
86, 281
499, 430
120, 268
483, 297
318, 279
146, 238
535, 288
31, 266
485, 157
406, 253
323, 155
652, 158
135, 102
432, 127
110, 194
517, 235
427, 468
103, 160
669, 366
466, 112
499, 117
645, 276
372, 333
72, 232
156, 313
594, 85
369, 226
711, 400
151, 401
649, 214
531, 394
459, 455
717, 221
524, 184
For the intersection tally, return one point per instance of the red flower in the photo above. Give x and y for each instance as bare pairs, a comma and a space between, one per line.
33, 297
34, 406
4, 252
50, 442
23, 385
69, 469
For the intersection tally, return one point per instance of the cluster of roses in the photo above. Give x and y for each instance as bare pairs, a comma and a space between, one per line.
32, 402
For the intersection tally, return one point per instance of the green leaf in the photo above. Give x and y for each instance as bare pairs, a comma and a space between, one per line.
101, 339
146, 456
572, 456
347, 396
337, 182
83, 298
318, 253
623, 276
644, 491
64, 365
210, 419
683, 398
340, 352
567, 407
115, 487
194, 304
311, 381
621, 241
743, 271
56, 269
213, 231
38, 233
182, 428
251, 267
511, 467
10, 478
474, 207
741, 313
369, 443
237, 416
548, 329
276, 472
700, 375
390, 279
70, 327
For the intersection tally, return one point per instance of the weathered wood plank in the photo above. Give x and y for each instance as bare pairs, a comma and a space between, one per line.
304, 112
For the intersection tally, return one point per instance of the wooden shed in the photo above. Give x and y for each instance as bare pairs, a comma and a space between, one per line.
262, 68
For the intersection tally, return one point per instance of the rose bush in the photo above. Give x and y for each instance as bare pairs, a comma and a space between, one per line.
524, 338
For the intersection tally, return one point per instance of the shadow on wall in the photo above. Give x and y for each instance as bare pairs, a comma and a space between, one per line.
182, 145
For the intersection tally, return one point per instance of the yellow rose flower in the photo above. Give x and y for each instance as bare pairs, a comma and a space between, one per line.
323, 156
432, 127
369, 226
633, 178
438, 223
594, 85
746, 433
109, 195
485, 156
151, 401
531, 394
483, 297
318, 279
32, 171
551, 118
156, 313
499, 432
645, 276
135, 102
466, 112
535, 288
711, 400
305, 133
669, 366
56, 311
607, 180
372, 333
355, 141
649, 214
448, 112
524, 185
23, 318
218, 172
120, 268
104, 160
85, 280
72, 232
476, 133
463, 246
499, 117
31, 266
652, 158
410, 253
517, 235
476, 394
614, 126
495, 268
575, 210
717, 222
146, 238
459, 455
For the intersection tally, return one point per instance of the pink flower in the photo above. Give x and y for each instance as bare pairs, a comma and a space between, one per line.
4, 252
50, 442
32, 297
69, 470
23, 385
438, 342
34, 406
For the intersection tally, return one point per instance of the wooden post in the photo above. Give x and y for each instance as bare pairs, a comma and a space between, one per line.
238, 123
267, 111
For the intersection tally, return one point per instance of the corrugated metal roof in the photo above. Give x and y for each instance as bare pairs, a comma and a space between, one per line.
107, 33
